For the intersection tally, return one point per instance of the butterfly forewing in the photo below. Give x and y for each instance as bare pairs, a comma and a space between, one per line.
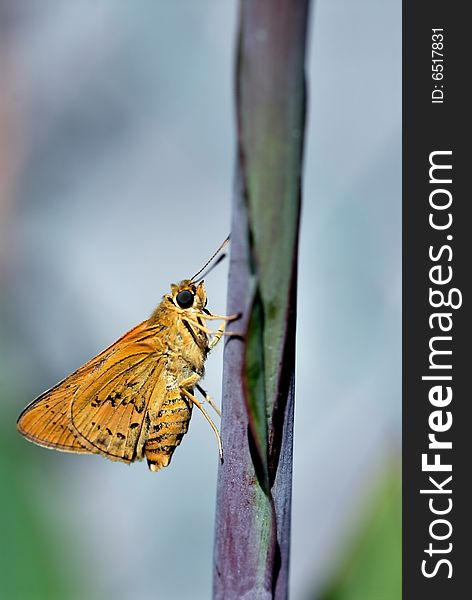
46, 422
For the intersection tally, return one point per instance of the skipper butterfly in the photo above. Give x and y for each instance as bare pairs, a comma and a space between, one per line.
134, 400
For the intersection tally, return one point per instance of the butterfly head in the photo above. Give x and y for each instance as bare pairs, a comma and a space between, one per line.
187, 295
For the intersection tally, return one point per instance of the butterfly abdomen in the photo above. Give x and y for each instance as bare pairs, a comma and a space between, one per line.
167, 431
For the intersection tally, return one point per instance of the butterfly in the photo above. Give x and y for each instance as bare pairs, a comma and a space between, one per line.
134, 400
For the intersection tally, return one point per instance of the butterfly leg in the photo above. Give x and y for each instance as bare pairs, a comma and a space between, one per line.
207, 417
221, 317
217, 336
221, 331
209, 399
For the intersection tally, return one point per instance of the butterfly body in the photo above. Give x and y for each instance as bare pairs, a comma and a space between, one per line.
134, 399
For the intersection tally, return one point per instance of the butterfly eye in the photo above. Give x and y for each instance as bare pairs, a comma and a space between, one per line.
185, 299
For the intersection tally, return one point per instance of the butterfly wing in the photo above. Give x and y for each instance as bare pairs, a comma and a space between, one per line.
47, 420
110, 413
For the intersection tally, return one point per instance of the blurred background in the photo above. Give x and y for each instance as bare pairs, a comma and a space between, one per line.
116, 173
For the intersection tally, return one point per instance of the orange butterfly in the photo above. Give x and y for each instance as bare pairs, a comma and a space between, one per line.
135, 398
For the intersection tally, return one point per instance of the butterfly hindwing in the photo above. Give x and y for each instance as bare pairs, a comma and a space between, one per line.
110, 412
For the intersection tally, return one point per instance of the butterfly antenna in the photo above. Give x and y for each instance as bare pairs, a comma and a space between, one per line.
210, 259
